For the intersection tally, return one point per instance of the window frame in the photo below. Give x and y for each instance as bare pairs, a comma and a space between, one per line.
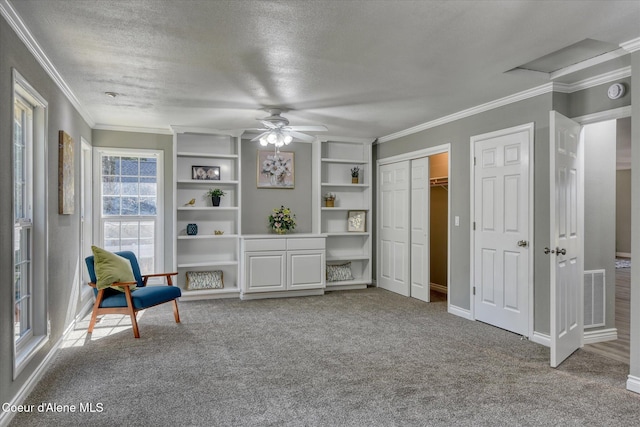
158, 219
28, 345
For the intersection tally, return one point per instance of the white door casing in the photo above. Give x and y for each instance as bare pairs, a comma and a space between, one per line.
566, 225
393, 227
86, 211
420, 191
502, 202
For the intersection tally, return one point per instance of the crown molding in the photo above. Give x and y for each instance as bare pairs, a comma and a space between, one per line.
19, 27
355, 140
631, 45
520, 96
161, 131
601, 79
540, 90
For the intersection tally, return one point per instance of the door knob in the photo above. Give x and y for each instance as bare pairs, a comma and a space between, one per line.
557, 251
523, 243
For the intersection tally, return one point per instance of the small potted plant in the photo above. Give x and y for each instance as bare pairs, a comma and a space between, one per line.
355, 173
329, 199
215, 194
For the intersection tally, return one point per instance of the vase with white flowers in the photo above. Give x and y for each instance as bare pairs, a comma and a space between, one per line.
282, 220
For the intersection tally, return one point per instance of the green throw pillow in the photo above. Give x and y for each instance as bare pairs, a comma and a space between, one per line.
111, 268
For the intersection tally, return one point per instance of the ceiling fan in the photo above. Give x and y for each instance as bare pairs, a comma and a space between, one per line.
277, 131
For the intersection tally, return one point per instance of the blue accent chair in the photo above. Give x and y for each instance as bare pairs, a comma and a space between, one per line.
111, 301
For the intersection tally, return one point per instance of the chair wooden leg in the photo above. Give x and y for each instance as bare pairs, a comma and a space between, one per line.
176, 313
94, 314
132, 312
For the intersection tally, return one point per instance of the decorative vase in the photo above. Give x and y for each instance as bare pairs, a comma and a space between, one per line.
192, 229
354, 179
280, 230
215, 200
329, 203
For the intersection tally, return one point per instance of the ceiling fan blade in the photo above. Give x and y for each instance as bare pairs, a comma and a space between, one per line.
302, 136
268, 124
259, 136
318, 128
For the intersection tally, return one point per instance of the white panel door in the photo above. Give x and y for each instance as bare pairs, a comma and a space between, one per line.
501, 239
420, 229
566, 238
393, 228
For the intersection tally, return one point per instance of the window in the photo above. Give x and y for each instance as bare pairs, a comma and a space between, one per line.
22, 219
29, 243
131, 204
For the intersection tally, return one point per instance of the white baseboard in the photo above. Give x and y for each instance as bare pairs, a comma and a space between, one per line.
460, 312
282, 294
633, 384
623, 254
29, 385
43, 367
542, 339
602, 335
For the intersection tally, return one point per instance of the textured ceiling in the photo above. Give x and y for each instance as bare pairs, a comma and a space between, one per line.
362, 68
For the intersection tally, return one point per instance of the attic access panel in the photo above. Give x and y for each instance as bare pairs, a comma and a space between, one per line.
567, 56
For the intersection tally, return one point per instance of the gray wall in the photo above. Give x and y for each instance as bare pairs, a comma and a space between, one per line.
64, 298
599, 207
623, 211
458, 134
257, 203
148, 141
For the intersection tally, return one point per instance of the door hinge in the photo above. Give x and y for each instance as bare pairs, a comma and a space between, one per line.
474, 290
474, 161
474, 226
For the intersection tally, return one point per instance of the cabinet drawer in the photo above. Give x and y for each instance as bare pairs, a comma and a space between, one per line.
305, 243
265, 245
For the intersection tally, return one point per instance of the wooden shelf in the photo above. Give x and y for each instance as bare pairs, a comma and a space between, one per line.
345, 161
340, 208
226, 292
210, 182
208, 236
347, 233
208, 208
348, 258
346, 184
207, 155
207, 264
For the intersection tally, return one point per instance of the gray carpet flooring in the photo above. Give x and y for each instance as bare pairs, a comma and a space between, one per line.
355, 358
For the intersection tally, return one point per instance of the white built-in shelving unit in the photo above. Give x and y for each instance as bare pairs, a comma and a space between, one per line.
207, 251
335, 158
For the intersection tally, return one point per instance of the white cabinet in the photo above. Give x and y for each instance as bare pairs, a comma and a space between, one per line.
216, 244
337, 156
283, 266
